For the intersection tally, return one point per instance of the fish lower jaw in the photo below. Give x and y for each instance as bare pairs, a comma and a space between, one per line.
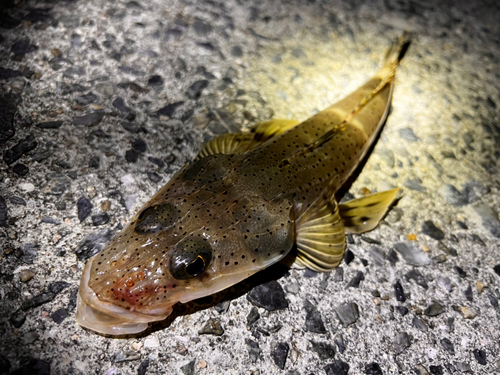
106, 318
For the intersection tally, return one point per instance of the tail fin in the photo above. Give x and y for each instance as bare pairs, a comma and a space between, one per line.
398, 49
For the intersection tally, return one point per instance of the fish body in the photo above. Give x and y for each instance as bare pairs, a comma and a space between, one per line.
242, 205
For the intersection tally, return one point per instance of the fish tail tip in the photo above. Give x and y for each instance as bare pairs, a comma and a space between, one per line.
399, 48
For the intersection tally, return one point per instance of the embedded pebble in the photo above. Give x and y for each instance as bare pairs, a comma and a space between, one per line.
3, 212
58, 316
17, 319
169, 109
100, 219
212, 327
337, 367
488, 218
347, 313
84, 208
386, 155
348, 256
460, 272
154, 177
430, 229
49, 220
463, 367
415, 184
125, 111
434, 309
468, 293
188, 368
324, 350
26, 275
105, 89
401, 342
279, 354
356, 280
156, 161
143, 367
253, 349
139, 145
22, 147
125, 356
497, 269
378, 255
194, 91
408, 135
57, 287
293, 288
253, 316
49, 125
37, 300
416, 276
373, 369
85, 99
14, 200
155, 80
269, 296
445, 283
419, 324
448, 345
399, 292
91, 119
338, 275
314, 322
151, 342
468, 312
92, 244
403, 310
412, 254
131, 156
441, 258
436, 370
480, 356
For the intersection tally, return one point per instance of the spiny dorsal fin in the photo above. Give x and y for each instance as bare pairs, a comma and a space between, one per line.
232, 143
238, 143
363, 214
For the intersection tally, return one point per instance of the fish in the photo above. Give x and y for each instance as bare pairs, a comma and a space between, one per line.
247, 201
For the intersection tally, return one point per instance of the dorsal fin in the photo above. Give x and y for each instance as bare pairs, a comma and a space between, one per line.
238, 143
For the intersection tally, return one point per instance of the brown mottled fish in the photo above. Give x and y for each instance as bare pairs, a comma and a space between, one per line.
245, 202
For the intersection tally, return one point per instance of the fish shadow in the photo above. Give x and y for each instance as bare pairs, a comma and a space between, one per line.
273, 272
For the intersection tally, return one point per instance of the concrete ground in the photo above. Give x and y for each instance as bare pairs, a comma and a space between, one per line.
102, 101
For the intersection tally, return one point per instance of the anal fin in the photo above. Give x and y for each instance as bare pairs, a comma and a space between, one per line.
320, 235
363, 214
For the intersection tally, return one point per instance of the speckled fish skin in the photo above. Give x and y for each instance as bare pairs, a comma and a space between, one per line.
226, 216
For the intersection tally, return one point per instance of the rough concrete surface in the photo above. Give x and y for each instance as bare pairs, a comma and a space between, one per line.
102, 101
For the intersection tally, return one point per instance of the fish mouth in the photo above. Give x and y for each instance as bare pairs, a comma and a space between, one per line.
110, 319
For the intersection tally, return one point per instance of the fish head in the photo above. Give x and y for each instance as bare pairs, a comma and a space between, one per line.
195, 237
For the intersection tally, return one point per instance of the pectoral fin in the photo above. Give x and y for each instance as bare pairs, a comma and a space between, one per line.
364, 214
320, 235
238, 143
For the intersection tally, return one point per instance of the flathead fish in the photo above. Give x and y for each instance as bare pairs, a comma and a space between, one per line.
245, 202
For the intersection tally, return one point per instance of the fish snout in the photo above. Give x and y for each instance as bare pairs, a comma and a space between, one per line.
108, 318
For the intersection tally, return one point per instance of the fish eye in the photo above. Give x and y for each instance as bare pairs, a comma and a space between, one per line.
155, 218
190, 258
